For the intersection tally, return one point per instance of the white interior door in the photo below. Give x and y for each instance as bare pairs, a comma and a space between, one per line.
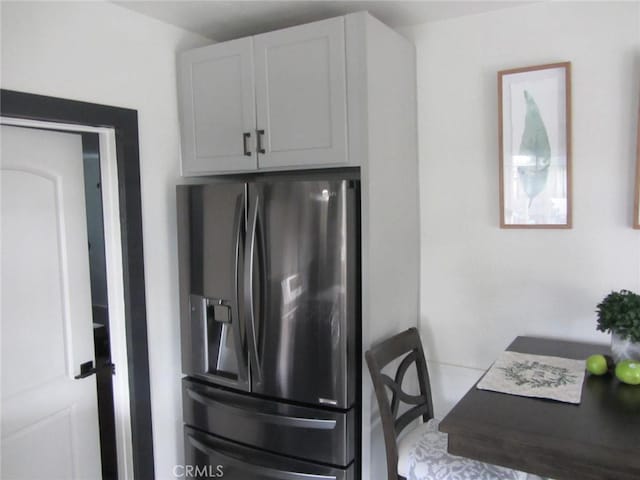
49, 419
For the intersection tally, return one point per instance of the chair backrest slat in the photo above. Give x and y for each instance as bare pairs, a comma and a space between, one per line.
410, 415
399, 394
405, 345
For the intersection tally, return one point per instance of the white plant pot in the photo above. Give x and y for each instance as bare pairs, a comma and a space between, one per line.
624, 349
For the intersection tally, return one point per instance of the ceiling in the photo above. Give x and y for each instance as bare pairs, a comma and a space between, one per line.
224, 20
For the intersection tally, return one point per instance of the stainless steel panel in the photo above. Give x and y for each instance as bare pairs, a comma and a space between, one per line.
315, 434
305, 294
211, 220
210, 454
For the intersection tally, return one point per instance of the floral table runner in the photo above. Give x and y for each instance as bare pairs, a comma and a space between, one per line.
536, 376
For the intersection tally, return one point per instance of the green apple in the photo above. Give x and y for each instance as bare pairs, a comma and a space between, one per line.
628, 371
597, 365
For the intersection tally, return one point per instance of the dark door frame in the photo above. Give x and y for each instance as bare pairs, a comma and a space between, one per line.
125, 123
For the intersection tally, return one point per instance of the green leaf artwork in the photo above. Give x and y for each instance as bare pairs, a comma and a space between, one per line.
534, 144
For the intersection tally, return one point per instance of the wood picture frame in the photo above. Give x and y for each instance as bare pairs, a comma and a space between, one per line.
534, 137
636, 202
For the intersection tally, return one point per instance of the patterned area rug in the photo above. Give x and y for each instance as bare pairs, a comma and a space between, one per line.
536, 376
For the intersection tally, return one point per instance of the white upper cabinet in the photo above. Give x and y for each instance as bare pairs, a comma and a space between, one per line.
294, 115
301, 95
217, 103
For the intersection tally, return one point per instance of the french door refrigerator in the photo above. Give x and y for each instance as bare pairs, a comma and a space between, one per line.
269, 290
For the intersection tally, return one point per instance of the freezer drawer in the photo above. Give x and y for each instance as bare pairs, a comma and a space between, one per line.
207, 453
313, 433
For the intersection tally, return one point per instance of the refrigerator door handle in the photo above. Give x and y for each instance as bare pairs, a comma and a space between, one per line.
250, 250
240, 344
285, 420
265, 472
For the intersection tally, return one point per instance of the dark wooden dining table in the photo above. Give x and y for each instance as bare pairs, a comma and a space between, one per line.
597, 439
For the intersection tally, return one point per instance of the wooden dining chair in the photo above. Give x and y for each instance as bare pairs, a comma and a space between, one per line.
419, 452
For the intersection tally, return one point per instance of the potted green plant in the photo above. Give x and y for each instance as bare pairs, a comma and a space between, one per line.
619, 314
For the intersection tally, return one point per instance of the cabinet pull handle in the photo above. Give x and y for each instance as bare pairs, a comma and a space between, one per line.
260, 147
246, 136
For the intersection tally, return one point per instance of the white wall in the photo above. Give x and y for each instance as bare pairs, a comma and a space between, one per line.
99, 52
482, 286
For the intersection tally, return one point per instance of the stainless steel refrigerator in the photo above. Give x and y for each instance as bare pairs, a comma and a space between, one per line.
269, 289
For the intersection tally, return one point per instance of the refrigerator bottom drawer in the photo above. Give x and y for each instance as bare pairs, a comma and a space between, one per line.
208, 456
317, 434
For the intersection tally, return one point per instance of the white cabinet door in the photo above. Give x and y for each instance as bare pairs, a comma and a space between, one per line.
49, 419
301, 95
217, 102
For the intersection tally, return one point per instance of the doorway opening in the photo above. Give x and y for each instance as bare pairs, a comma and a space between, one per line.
105, 369
116, 132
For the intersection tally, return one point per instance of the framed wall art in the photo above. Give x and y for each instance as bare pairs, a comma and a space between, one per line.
636, 209
534, 110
